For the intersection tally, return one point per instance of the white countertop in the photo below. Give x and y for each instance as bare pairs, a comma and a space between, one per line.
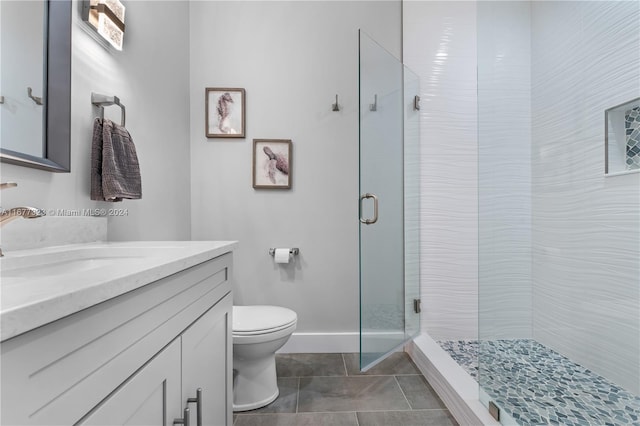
43, 285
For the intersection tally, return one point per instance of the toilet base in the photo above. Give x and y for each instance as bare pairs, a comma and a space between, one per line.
256, 405
254, 384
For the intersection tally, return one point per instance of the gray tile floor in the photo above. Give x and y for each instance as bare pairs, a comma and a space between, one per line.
329, 390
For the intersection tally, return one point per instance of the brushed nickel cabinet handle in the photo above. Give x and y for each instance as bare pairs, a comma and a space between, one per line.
184, 420
198, 401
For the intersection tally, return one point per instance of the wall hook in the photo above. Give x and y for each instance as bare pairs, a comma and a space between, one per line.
36, 99
335, 107
416, 103
374, 105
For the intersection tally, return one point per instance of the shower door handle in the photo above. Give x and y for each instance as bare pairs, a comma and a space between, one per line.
375, 209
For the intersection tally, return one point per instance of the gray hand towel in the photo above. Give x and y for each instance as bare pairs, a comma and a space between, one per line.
115, 171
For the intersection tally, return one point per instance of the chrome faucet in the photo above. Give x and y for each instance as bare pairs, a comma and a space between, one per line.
7, 216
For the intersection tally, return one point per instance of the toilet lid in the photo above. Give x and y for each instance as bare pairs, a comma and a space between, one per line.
257, 319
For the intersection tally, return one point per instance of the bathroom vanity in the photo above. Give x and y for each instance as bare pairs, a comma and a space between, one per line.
117, 333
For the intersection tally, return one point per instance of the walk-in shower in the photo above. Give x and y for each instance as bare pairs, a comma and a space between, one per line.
559, 240
558, 335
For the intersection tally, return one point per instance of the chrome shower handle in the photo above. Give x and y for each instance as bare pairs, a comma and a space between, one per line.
375, 209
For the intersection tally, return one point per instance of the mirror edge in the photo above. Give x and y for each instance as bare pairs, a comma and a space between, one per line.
57, 121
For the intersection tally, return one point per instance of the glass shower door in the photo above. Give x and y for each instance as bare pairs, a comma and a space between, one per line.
382, 246
411, 145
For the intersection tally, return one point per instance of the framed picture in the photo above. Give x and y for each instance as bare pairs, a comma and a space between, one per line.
225, 112
272, 163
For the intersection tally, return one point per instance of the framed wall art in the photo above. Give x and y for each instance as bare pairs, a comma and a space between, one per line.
272, 163
225, 112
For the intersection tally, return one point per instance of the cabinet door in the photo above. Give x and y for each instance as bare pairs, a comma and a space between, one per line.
207, 356
150, 397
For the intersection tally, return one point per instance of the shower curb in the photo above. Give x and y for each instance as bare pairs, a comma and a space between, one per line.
456, 387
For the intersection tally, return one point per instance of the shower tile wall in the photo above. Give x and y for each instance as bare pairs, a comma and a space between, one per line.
586, 227
440, 46
504, 169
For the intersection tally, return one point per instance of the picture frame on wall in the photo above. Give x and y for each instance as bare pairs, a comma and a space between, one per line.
225, 112
272, 163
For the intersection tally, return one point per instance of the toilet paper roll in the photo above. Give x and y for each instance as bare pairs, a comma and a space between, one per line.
281, 255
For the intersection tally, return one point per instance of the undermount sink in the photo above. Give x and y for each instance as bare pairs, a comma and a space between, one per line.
39, 286
62, 267
74, 259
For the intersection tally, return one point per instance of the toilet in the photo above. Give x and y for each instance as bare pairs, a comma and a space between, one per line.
258, 332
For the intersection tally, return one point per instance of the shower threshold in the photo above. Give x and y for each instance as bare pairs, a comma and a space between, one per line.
536, 385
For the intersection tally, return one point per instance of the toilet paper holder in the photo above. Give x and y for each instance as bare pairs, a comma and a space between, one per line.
292, 251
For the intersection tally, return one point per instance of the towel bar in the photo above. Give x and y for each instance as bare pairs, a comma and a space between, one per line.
102, 100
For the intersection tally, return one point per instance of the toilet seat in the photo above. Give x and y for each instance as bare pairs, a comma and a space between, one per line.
261, 319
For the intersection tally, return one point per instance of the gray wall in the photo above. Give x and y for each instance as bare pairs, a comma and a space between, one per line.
292, 58
151, 78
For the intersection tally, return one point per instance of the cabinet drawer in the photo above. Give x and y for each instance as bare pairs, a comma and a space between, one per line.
62, 370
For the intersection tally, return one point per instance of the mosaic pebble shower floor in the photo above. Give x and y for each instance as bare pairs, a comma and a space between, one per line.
538, 386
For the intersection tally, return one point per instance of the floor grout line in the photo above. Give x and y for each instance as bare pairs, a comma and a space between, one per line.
298, 395
351, 409
344, 365
355, 375
403, 394
247, 414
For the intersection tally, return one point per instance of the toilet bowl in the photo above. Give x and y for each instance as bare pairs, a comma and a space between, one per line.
258, 332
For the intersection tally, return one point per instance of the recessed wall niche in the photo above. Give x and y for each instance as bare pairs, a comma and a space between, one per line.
622, 138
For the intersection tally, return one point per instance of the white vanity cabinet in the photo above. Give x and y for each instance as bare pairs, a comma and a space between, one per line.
147, 397
135, 359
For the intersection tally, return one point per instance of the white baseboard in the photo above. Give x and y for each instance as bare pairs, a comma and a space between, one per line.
379, 341
322, 343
